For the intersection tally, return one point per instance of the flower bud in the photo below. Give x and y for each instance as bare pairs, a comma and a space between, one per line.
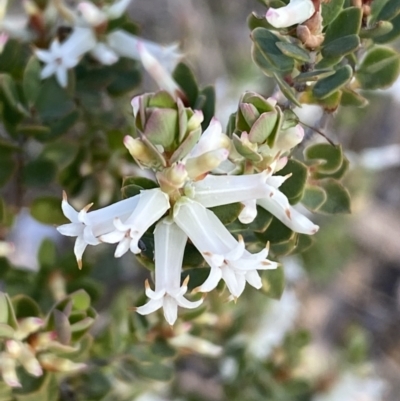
57, 364
92, 15
172, 178
197, 166
138, 150
27, 326
195, 121
8, 372
289, 138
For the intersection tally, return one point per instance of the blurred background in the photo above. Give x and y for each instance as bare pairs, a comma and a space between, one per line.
345, 290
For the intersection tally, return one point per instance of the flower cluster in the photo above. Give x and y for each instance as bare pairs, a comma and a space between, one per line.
91, 32
184, 161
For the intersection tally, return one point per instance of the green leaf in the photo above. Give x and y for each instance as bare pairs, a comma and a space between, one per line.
304, 242
59, 126
208, 107
287, 91
245, 151
390, 10
379, 68
276, 232
80, 299
348, 22
327, 86
263, 127
338, 174
6, 331
126, 77
330, 157
293, 187
9, 90
53, 102
294, 51
341, 46
258, 225
273, 282
254, 21
62, 153
267, 54
31, 81
381, 28
47, 253
162, 127
314, 197
39, 173
142, 182
227, 213
393, 34
338, 198
47, 210
32, 130
313, 75
25, 306
197, 276
185, 78
330, 10
352, 98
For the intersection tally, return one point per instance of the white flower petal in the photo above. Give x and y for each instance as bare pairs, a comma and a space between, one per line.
62, 76
279, 206
112, 237
254, 279
117, 9
79, 248
222, 190
249, 212
69, 212
48, 70
184, 303
71, 229
169, 244
170, 309
212, 280
44, 55
296, 12
235, 282
122, 247
150, 306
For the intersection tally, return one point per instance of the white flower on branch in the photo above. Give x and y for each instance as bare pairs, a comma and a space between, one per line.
88, 226
66, 55
296, 12
226, 256
169, 247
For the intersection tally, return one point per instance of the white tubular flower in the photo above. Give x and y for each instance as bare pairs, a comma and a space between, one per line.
103, 53
278, 205
126, 45
296, 12
225, 189
152, 204
226, 256
61, 57
87, 227
169, 247
95, 16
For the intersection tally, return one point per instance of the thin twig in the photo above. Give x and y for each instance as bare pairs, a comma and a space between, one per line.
319, 132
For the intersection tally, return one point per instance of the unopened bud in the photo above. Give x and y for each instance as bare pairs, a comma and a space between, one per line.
172, 178
289, 138
195, 121
14, 348
92, 15
197, 166
28, 326
8, 372
281, 163
57, 364
29, 362
138, 150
